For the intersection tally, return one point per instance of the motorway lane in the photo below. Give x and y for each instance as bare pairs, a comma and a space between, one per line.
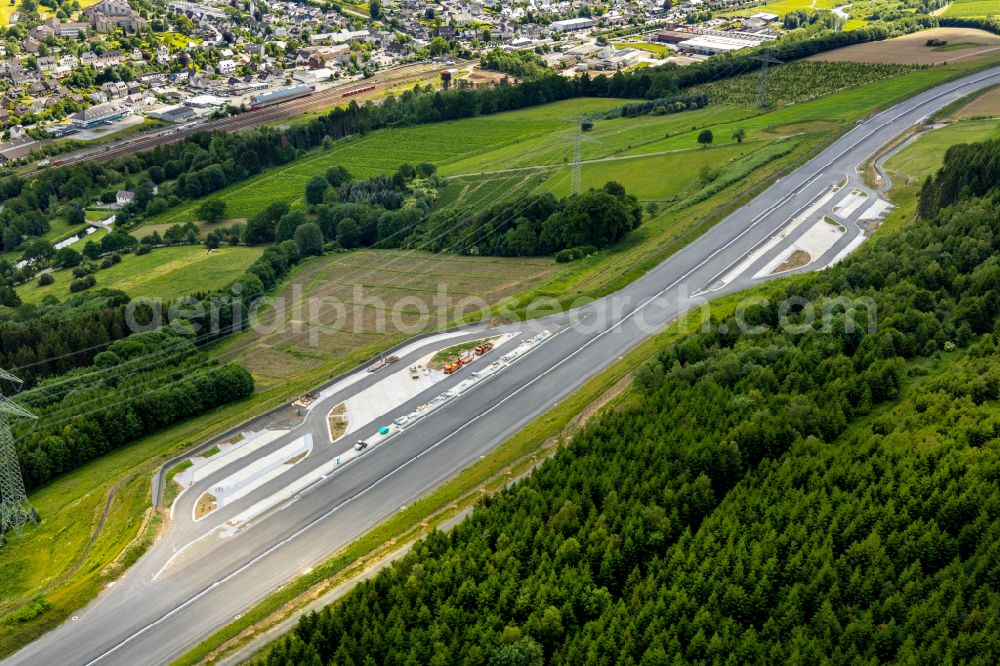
142, 622
315, 424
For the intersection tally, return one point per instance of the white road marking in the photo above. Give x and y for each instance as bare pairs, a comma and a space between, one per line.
756, 220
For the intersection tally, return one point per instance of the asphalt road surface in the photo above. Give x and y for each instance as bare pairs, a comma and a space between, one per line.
187, 586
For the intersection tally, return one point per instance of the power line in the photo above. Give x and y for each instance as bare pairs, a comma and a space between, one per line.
765, 59
15, 510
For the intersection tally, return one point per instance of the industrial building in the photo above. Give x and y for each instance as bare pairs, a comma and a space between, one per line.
207, 102
721, 42
173, 114
571, 25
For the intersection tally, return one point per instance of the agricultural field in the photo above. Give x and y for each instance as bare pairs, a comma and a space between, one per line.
97, 214
6, 10
545, 137
799, 82
913, 50
972, 9
384, 151
166, 273
782, 7
371, 299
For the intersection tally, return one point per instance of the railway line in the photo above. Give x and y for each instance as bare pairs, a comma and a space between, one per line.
318, 101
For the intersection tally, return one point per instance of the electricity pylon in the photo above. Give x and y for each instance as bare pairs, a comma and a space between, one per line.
15, 510
578, 140
766, 60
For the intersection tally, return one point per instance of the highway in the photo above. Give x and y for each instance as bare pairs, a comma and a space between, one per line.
201, 574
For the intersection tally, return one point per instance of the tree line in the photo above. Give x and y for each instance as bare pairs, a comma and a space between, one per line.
53, 338
205, 163
968, 169
803, 493
397, 211
136, 386
539, 224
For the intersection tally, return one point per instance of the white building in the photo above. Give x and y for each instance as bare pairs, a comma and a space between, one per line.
571, 25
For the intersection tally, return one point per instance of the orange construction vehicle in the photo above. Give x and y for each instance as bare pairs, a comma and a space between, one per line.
483, 348
455, 365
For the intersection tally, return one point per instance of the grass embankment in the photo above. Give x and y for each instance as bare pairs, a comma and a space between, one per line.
922, 156
165, 273
513, 458
55, 560
337, 422
445, 356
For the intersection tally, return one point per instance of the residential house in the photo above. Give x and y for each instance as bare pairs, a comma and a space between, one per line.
46, 63
115, 89
42, 32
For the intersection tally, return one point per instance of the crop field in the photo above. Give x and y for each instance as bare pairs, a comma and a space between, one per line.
972, 9
923, 156
368, 300
165, 272
782, 7
384, 151
799, 81
913, 50
814, 115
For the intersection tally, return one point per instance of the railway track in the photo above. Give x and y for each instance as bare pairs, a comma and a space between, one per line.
318, 101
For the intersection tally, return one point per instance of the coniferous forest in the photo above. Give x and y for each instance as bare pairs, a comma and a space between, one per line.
811, 494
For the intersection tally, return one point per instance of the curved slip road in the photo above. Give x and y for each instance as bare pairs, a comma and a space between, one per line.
145, 621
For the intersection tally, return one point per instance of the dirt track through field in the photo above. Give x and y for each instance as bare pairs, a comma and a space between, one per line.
962, 44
